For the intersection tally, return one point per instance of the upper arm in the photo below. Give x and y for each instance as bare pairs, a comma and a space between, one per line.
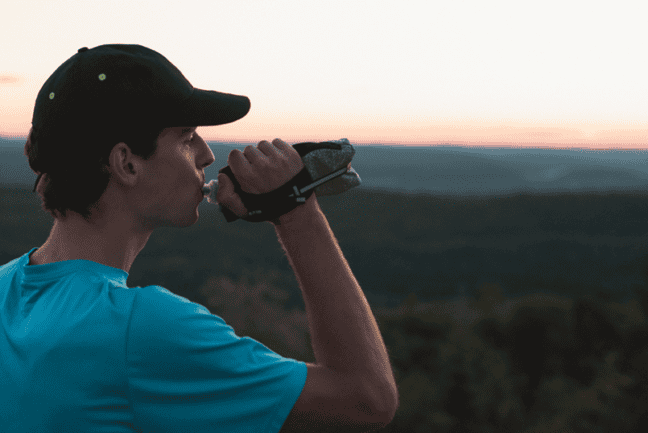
332, 401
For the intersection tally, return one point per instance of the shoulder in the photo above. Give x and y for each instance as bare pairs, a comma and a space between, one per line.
158, 303
160, 316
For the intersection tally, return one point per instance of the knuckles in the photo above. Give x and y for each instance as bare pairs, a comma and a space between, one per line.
272, 165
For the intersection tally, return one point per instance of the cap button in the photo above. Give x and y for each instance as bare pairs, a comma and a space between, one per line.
82, 50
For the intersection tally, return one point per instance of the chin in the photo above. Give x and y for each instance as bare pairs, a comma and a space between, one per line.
186, 219
193, 219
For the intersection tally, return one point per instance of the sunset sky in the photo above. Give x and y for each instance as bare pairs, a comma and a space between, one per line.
525, 73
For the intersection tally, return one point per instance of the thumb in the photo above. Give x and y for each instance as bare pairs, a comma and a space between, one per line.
228, 198
225, 188
222, 179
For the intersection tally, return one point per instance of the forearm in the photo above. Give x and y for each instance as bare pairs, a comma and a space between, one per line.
344, 333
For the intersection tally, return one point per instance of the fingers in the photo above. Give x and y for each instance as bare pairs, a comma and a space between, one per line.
265, 167
274, 149
241, 162
294, 159
282, 145
253, 155
264, 152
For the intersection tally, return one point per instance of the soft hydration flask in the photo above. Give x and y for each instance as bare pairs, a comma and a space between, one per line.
328, 163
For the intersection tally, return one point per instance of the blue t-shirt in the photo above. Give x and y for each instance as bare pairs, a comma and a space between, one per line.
80, 351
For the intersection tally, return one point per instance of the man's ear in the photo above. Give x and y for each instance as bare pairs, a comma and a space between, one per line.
124, 166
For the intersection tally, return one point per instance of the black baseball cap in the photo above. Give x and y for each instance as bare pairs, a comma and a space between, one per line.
127, 86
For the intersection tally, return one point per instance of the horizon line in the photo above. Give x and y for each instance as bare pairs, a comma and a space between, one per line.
467, 143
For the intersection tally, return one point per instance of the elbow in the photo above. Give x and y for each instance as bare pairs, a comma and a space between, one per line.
394, 408
383, 394
388, 408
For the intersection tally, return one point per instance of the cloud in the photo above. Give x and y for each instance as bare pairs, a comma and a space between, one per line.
9, 80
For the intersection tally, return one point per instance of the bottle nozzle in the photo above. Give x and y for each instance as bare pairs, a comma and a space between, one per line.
209, 191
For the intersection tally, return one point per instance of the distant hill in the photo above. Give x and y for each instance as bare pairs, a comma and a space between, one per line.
452, 171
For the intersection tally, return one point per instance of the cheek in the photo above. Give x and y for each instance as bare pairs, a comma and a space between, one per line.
176, 173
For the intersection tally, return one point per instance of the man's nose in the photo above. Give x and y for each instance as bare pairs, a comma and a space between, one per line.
209, 154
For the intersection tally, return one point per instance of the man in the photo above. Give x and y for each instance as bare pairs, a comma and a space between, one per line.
80, 351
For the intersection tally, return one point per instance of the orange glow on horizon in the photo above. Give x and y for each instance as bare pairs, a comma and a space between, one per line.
460, 134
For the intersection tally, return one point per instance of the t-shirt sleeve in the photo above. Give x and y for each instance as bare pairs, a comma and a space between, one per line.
189, 372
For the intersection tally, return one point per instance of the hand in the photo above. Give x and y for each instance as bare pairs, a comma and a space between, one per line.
258, 170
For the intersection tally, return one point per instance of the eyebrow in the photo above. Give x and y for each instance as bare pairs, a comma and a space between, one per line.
185, 131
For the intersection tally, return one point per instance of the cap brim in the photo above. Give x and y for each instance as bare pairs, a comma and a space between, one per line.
208, 108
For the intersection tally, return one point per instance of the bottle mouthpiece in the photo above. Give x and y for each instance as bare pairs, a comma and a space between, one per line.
209, 191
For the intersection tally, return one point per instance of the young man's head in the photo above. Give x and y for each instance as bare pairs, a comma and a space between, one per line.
113, 137
127, 99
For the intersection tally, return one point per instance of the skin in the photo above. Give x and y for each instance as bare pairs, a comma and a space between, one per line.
164, 191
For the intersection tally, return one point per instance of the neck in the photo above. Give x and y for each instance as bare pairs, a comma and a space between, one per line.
107, 243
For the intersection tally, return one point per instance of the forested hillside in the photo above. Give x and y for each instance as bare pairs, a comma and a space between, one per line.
549, 334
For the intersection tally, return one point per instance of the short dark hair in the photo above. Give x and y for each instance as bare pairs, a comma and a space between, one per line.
76, 164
